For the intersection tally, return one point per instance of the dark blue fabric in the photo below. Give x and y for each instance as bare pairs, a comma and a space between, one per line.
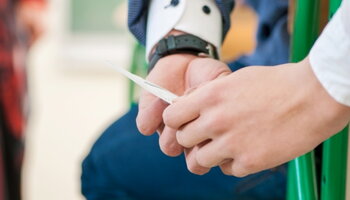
272, 36
137, 16
123, 164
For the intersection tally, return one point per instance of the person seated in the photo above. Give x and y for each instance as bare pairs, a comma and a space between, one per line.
123, 164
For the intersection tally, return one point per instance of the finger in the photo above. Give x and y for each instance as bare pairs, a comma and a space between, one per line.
245, 165
192, 164
160, 129
168, 143
182, 111
190, 90
226, 167
204, 69
235, 168
210, 155
193, 133
149, 117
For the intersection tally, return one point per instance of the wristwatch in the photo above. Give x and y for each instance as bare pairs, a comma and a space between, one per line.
188, 44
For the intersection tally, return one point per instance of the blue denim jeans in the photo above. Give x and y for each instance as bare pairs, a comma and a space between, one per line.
123, 164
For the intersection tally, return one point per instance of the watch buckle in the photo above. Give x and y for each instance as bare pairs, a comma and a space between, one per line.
210, 49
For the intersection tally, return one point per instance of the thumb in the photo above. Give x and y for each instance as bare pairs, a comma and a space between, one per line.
202, 70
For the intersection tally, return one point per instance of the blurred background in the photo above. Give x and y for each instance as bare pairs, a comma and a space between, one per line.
74, 96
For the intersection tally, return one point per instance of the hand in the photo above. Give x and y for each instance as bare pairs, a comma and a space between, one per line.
176, 73
255, 119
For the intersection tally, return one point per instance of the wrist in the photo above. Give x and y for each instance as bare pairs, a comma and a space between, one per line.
186, 15
333, 116
172, 32
182, 44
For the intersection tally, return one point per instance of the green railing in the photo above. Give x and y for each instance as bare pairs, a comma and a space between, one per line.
302, 180
138, 66
301, 171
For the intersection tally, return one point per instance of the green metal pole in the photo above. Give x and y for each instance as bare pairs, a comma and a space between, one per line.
335, 154
302, 172
138, 65
334, 166
292, 192
305, 176
306, 28
333, 7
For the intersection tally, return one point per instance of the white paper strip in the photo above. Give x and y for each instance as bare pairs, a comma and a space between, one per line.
156, 90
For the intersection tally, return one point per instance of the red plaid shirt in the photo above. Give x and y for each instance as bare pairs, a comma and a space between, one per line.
12, 93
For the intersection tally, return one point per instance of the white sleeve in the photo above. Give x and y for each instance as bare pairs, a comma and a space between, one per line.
330, 56
185, 15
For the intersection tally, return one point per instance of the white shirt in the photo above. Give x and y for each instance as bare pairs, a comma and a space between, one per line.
187, 16
330, 56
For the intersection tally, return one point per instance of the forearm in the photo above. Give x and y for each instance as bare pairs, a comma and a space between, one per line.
199, 18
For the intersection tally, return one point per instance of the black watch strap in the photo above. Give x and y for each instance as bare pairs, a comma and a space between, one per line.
188, 44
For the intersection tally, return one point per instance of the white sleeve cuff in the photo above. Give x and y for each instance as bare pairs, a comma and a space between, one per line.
330, 56
187, 16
